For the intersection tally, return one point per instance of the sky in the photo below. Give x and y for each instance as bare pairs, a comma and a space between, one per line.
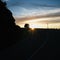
37, 13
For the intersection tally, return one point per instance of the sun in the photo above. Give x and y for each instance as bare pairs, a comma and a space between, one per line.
32, 29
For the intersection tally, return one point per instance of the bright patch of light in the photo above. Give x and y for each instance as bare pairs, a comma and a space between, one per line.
32, 29
34, 25
37, 25
43, 19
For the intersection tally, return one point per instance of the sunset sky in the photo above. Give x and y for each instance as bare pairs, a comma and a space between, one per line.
37, 13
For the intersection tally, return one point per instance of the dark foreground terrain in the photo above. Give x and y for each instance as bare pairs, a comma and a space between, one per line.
38, 44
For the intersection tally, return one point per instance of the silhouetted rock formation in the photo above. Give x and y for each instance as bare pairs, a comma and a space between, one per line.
8, 29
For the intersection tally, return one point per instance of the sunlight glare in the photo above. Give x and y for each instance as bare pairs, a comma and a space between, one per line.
32, 29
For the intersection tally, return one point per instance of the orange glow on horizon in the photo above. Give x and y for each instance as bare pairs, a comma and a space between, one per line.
32, 29
36, 23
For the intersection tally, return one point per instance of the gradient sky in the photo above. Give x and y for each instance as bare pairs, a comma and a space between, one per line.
35, 11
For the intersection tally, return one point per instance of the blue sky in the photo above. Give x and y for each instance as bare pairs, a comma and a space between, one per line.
21, 7
27, 9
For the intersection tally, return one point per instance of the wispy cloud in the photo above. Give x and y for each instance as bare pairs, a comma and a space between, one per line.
38, 13
5, 0
47, 5
33, 4
46, 16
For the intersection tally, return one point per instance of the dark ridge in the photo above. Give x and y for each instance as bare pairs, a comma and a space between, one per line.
8, 29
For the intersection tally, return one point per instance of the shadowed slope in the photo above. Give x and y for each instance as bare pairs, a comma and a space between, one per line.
8, 29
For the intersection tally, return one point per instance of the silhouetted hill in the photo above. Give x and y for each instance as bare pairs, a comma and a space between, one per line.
8, 28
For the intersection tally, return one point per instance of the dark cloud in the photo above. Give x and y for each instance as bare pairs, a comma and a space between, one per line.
47, 5
16, 4
50, 21
34, 4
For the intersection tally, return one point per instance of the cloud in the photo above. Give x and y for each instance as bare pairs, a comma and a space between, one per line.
38, 13
16, 4
34, 5
50, 16
25, 12
55, 21
5, 0
41, 20
47, 5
